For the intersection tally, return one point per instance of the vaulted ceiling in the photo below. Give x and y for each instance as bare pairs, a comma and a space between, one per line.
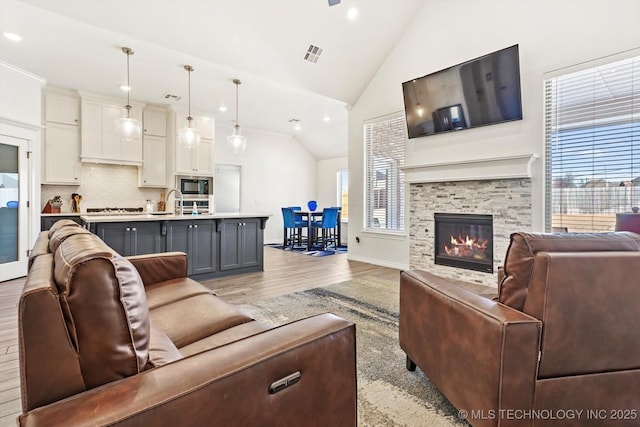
77, 44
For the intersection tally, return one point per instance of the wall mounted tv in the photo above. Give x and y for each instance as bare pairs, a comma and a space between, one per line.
483, 91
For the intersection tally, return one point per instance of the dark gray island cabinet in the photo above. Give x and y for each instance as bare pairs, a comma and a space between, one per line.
132, 238
216, 245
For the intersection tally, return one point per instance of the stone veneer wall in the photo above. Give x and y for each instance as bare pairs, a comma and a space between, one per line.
508, 200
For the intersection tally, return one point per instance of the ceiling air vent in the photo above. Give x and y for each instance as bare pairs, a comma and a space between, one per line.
313, 54
171, 97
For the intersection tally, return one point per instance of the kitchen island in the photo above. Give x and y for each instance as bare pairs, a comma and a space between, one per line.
216, 244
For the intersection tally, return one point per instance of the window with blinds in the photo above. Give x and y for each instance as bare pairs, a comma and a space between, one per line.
384, 140
592, 139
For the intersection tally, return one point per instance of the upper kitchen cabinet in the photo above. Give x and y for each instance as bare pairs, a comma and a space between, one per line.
63, 109
154, 122
61, 160
153, 172
198, 160
100, 143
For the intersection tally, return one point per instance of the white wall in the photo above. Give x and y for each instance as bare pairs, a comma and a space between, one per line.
327, 188
277, 171
552, 34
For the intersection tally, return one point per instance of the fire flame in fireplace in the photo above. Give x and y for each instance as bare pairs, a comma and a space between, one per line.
466, 247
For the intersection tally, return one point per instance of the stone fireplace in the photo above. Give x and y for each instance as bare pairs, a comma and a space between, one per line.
498, 188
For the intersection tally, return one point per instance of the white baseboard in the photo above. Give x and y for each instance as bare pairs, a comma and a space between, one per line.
383, 263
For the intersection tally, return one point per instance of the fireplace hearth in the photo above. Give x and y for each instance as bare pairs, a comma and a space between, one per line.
464, 241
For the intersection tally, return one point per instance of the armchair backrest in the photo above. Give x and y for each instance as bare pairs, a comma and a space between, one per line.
518, 264
588, 303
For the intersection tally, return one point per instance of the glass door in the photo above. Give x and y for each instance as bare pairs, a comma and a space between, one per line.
14, 226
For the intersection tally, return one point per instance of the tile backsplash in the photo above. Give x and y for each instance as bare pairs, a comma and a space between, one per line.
103, 186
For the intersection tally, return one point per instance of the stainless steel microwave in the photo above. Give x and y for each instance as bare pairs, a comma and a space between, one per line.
195, 186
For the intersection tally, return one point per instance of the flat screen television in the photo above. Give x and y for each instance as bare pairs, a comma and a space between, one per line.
483, 91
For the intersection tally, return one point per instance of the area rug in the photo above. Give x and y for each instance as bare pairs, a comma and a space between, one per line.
388, 394
331, 250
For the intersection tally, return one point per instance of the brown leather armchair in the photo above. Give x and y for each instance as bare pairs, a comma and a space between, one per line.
560, 346
108, 340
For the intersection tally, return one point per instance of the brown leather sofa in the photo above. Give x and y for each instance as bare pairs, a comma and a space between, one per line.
560, 345
110, 340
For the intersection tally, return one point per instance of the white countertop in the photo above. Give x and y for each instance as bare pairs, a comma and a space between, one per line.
168, 217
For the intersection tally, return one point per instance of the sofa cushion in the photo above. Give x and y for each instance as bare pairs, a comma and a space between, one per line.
189, 320
163, 293
518, 264
225, 337
105, 308
161, 349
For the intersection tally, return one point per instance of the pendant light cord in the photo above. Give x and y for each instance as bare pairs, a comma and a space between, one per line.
128, 106
189, 69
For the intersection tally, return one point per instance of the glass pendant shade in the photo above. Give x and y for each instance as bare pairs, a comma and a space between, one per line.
236, 142
127, 128
189, 136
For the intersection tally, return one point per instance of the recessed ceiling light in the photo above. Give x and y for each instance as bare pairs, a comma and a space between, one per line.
298, 126
125, 88
326, 118
352, 13
12, 36
222, 108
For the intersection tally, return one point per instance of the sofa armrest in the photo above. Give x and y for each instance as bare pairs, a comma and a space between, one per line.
155, 268
480, 353
230, 385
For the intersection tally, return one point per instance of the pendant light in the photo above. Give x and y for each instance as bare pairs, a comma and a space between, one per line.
127, 128
236, 142
188, 135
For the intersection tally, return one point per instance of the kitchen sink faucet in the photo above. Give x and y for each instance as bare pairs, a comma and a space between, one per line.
181, 199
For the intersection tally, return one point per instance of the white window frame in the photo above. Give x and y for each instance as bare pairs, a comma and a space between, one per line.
339, 174
591, 118
394, 187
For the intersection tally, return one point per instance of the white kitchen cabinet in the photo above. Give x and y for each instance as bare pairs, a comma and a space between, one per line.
60, 108
61, 164
100, 143
194, 161
199, 160
205, 126
154, 122
153, 172
61, 160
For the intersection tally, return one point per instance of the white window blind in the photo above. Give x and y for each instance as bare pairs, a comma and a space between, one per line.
592, 136
384, 140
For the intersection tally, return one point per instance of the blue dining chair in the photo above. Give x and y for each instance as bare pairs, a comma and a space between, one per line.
292, 229
324, 231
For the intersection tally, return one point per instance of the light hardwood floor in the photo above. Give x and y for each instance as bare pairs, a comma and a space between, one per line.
284, 273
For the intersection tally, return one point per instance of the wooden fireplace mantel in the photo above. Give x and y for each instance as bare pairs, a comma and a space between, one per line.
506, 167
